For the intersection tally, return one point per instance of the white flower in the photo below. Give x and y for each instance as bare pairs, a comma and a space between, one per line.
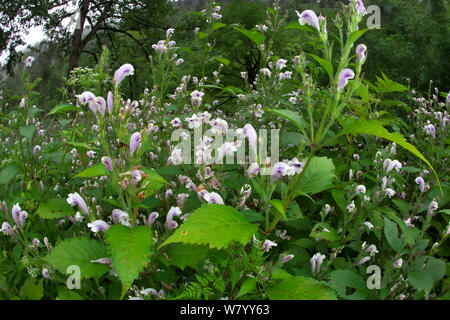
267, 245
398, 263
351, 207
389, 192
213, 197
360, 189
316, 262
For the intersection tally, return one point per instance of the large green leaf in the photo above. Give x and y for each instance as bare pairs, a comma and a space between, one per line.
376, 128
300, 288
79, 252
185, 255
292, 116
324, 64
255, 36
97, 170
130, 251
27, 132
422, 278
8, 173
216, 225
391, 234
317, 178
341, 280
55, 208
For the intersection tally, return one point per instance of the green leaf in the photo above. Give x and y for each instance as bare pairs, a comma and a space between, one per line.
298, 26
424, 279
54, 209
185, 255
247, 286
341, 280
255, 36
376, 128
216, 225
277, 204
79, 252
218, 25
81, 145
356, 35
8, 173
317, 178
300, 288
292, 116
391, 234
62, 108
69, 295
319, 232
27, 132
97, 170
223, 60
130, 251
202, 35
32, 290
324, 64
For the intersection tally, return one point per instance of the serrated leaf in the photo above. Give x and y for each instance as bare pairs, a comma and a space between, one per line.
97, 170
300, 288
130, 251
69, 295
341, 280
422, 278
54, 209
391, 234
185, 255
32, 290
79, 252
317, 178
216, 225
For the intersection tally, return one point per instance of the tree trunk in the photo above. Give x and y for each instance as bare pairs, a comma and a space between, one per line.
77, 41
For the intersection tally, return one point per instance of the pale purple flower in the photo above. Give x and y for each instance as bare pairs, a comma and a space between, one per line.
287, 258
15, 213
250, 133
179, 61
107, 261
433, 206
389, 192
22, 216
136, 177
267, 245
368, 225
448, 99
135, 142
213, 197
408, 223
122, 217
421, 183
36, 149
98, 225
173, 212
364, 260
266, 72
124, 71
398, 263
169, 32
28, 62
308, 17
344, 76
280, 169
86, 97
316, 262
108, 163
372, 250
360, 189
281, 64
101, 105
172, 224
361, 50
46, 274
360, 7
430, 130
351, 207
152, 217
395, 164
253, 170
74, 199
6, 229
110, 102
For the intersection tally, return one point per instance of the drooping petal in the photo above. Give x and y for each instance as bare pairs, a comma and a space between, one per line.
74, 199
108, 163
250, 133
308, 17
344, 76
110, 102
134, 142
98, 225
124, 71
361, 50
